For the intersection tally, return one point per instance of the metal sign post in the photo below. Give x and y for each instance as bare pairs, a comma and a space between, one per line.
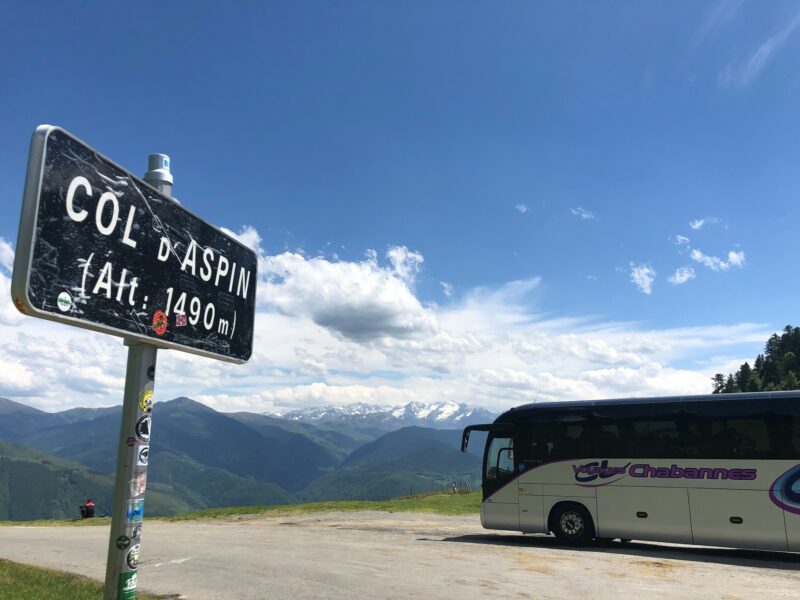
125, 539
100, 249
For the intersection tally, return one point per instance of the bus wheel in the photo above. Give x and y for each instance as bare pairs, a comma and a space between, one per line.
572, 524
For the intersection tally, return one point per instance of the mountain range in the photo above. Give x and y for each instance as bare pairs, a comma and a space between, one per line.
202, 458
443, 415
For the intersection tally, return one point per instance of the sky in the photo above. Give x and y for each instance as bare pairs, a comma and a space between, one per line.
489, 203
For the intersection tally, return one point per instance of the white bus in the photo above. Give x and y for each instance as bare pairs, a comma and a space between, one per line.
719, 470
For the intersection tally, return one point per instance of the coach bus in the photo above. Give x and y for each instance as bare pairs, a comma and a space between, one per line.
719, 470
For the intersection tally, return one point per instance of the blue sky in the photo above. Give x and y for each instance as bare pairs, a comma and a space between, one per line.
565, 148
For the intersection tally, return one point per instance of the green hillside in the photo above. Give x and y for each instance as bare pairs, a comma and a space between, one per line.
211, 486
409, 460
201, 458
38, 486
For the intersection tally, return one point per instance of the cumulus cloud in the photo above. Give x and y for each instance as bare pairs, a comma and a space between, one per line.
735, 259
361, 301
643, 277
405, 263
248, 236
582, 213
681, 276
329, 331
523, 208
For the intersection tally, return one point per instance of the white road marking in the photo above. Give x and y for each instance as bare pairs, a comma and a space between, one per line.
176, 561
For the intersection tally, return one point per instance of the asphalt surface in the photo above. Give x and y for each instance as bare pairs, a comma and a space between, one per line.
369, 555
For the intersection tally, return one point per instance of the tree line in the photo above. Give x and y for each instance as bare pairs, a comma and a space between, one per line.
778, 368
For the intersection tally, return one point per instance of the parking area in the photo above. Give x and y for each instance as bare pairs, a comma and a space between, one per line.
357, 555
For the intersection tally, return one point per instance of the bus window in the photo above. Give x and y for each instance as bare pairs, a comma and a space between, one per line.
500, 458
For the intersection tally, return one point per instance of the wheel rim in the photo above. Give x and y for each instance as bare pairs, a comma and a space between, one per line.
571, 523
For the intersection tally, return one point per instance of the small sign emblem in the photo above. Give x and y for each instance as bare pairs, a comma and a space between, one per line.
64, 302
159, 322
146, 401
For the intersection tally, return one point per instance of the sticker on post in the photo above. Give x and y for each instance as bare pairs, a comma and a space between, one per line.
160, 322
130, 442
143, 428
151, 372
123, 542
135, 511
137, 533
138, 484
64, 301
143, 456
146, 401
127, 585
133, 556
180, 320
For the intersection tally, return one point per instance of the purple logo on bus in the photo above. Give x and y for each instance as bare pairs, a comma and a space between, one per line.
588, 473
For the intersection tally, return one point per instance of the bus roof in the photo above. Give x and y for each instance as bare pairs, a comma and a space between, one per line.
528, 410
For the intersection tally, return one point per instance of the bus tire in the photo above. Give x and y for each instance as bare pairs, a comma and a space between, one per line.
572, 524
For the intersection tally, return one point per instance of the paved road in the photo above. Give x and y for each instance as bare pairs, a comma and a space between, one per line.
369, 555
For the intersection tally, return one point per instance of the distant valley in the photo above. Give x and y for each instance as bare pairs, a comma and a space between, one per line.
202, 458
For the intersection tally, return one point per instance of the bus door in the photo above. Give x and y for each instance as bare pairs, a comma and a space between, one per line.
500, 506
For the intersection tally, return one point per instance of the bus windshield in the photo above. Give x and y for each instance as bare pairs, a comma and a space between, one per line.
499, 458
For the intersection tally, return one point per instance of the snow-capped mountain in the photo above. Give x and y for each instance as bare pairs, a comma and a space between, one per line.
442, 415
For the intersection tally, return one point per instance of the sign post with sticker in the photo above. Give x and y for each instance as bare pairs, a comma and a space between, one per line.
101, 249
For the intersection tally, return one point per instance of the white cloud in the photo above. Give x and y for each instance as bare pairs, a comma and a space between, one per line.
719, 15
643, 277
682, 240
6, 255
337, 332
735, 259
247, 236
582, 213
523, 208
745, 73
362, 301
406, 264
698, 224
681, 276
447, 288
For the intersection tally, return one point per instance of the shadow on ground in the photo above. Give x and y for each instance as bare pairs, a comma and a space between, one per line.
761, 559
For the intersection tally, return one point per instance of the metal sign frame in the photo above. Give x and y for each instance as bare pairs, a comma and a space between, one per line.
27, 235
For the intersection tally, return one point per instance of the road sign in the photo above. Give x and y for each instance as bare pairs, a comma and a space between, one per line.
101, 249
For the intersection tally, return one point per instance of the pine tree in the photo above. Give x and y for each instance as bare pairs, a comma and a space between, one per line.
743, 376
790, 382
718, 383
758, 366
778, 368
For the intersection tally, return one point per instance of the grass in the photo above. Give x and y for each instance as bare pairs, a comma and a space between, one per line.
23, 582
60, 522
443, 503
440, 503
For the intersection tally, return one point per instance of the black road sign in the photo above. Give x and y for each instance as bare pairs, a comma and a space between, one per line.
99, 248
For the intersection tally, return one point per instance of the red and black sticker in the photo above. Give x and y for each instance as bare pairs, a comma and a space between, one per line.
159, 322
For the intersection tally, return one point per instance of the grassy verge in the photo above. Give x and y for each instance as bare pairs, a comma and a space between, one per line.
23, 582
443, 503
60, 522
439, 503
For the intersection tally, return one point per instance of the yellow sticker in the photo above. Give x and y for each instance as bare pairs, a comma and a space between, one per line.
146, 401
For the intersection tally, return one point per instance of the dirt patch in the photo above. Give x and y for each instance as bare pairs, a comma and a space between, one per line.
655, 568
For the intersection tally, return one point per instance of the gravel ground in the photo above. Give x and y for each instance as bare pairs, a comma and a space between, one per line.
368, 555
